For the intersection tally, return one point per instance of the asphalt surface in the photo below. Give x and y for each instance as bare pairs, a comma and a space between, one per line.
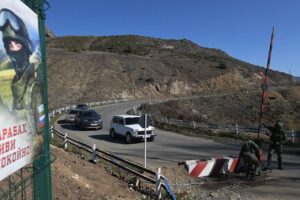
168, 148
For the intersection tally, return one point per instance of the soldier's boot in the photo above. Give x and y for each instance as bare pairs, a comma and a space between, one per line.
280, 164
269, 161
252, 176
247, 177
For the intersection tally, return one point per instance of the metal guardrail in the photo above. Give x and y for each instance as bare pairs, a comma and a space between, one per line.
291, 135
91, 104
108, 157
194, 124
127, 165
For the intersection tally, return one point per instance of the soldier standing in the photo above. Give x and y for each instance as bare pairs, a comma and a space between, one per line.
276, 137
25, 86
250, 155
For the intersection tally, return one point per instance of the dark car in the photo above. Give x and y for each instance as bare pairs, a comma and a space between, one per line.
82, 106
86, 119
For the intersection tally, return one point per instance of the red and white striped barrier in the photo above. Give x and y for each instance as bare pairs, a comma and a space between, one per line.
213, 166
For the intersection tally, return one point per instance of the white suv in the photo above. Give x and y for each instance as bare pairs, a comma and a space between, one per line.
128, 126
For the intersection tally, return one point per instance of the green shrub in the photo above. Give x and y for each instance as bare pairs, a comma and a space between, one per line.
222, 65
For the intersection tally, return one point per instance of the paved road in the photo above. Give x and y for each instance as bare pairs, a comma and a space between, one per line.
169, 148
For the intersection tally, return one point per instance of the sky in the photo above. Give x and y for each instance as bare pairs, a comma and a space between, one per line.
241, 28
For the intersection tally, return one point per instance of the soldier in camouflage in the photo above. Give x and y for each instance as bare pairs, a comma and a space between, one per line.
277, 135
25, 85
250, 155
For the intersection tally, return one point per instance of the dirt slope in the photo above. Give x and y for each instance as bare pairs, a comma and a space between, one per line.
74, 178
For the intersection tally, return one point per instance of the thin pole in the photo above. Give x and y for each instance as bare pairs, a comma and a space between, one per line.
145, 155
265, 85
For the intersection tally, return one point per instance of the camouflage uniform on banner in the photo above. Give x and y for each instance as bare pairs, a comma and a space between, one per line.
4, 111
25, 85
276, 137
250, 155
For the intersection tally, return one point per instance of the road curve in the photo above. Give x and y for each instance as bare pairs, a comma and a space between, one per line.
167, 149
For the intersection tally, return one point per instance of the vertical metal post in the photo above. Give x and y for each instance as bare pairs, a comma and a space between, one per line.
293, 136
194, 125
237, 129
23, 186
10, 187
66, 141
158, 184
94, 153
145, 155
42, 187
51, 130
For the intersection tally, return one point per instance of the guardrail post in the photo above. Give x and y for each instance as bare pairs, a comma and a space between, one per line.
66, 141
94, 153
194, 125
166, 119
51, 130
236, 129
293, 136
158, 184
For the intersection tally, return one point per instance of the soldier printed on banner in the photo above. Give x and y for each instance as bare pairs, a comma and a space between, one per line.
20, 69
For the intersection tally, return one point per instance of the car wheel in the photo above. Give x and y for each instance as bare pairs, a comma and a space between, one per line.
82, 126
78, 125
129, 138
112, 133
151, 139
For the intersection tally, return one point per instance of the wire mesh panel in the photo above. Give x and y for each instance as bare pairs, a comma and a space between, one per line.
30, 178
20, 185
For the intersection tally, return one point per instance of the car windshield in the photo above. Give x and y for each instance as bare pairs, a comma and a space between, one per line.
73, 111
132, 120
82, 106
90, 114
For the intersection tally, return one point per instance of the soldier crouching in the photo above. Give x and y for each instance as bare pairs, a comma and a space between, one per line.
250, 155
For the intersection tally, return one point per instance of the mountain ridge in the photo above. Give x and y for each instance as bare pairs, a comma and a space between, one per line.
133, 66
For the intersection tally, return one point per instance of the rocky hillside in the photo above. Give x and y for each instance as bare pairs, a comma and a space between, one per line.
84, 69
